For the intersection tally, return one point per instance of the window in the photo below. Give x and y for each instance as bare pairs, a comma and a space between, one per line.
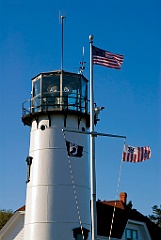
77, 233
36, 95
50, 91
131, 234
79, 237
71, 91
36, 88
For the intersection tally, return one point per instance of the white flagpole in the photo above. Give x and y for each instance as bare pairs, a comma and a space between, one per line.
92, 150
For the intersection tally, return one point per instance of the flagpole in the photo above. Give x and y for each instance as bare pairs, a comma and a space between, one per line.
92, 150
62, 60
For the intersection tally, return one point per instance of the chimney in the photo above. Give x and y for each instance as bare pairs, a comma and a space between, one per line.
123, 197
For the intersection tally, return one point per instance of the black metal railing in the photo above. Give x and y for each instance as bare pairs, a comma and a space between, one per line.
52, 103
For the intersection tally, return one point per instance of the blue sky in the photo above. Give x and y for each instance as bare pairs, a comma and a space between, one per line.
30, 40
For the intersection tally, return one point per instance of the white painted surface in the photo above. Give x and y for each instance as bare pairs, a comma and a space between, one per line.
13, 230
51, 209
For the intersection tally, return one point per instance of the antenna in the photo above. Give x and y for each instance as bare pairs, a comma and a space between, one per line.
61, 20
82, 67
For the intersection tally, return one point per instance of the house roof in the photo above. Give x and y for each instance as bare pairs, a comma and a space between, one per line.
104, 217
122, 214
21, 209
117, 203
11, 223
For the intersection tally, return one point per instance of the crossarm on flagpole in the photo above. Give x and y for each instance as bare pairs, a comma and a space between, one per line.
110, 135
95, 134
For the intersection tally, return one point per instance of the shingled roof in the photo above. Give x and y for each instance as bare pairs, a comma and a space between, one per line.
122, 214
104, 217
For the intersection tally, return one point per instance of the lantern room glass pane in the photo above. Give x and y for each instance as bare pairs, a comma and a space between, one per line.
50, 85
50, 91
36, 102
84, 95
36, 88
84, 89
71, 92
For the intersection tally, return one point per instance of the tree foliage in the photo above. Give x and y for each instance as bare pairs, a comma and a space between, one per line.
5, 215
129, 204
156, 216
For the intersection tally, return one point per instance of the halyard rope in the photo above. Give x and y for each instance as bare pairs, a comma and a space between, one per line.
75, 193
117, 192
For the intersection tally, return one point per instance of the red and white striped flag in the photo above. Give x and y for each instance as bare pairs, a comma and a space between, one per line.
106, 58
135, 154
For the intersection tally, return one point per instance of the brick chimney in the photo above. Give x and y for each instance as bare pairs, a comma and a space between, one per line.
123, 197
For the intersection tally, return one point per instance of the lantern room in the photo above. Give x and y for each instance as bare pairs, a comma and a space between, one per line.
56, 91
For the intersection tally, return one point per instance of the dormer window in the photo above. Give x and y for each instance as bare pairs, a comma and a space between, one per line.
131, 234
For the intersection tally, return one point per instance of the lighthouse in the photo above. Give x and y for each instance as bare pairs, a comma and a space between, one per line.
58, 188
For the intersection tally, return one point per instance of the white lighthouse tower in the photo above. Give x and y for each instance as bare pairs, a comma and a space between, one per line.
58, 188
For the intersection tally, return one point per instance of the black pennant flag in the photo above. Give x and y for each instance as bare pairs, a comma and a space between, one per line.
74, 150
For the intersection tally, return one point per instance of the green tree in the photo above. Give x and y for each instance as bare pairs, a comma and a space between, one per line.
129, 204
156, 216
5, 215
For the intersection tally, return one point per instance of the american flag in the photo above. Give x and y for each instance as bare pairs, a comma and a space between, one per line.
135, 154
107, 59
